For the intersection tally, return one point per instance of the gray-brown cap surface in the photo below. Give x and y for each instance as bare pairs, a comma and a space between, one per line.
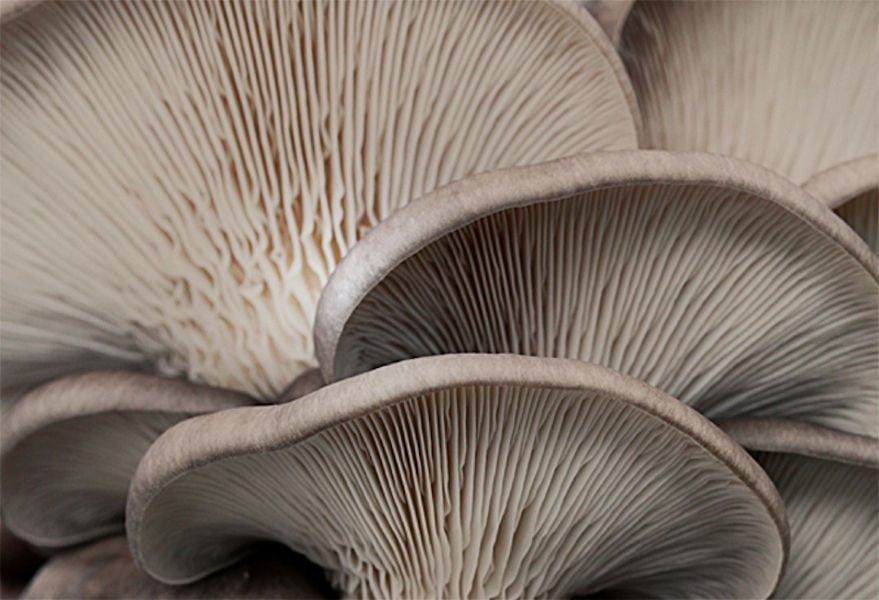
70, 447
852, 190
715, 280
467, 476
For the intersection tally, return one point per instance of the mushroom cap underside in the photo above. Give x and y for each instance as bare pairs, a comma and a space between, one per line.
467, 476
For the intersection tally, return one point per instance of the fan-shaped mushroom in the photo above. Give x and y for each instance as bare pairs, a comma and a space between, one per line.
69, 449
467, 475
789, 85
852, 190
829, 482
176, 175
105, 570
712, 279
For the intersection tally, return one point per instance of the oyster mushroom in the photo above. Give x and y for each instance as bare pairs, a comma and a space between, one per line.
852, 190
178, 174
70, 447
105, 570
789, 85
712, 279
829, 482
467, 476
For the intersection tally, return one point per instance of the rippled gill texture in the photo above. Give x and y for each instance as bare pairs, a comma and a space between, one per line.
724, 301
68, 482
180, 178
862, 213
833, 510
481, 491
788, 85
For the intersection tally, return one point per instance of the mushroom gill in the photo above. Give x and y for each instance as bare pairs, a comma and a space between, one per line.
789, 85
829, 482
70, 447
467, 476
714, 280
177, 175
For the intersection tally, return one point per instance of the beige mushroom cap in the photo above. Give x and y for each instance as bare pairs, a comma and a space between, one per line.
829, 481
70, 447
714, 280
467, 476
852, 190
178, 175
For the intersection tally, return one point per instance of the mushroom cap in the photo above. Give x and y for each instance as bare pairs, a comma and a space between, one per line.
467, 475
828, 481
178, 174
714, 280
105, 570
789, 85
852, 189
70, 447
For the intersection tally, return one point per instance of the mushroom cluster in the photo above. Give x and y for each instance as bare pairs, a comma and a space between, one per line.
307, 298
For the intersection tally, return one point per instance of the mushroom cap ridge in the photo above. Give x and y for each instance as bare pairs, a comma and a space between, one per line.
214, 205
198, 441
458, 204
840, 183
769, 434
90, 402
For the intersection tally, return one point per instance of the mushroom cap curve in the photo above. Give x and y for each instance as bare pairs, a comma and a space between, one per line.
786, 436
197, 152
838, 184
852, 190
70, 447
828, 480
181, 473
474, 273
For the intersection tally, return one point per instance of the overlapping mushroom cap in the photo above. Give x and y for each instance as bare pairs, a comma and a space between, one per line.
105, 570
69, 449
176, 175
789, 85
714, 280
467, 476
852, 190
829, 482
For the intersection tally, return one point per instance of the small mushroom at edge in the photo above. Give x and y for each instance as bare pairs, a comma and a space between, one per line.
829, 481
70, 447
